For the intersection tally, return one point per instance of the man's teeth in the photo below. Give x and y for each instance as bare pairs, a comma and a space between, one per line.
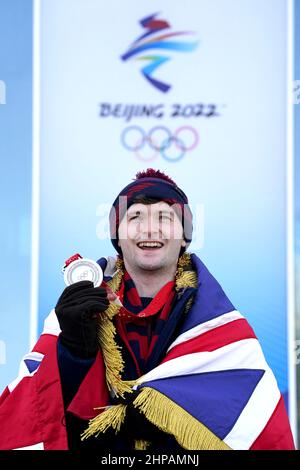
150, 245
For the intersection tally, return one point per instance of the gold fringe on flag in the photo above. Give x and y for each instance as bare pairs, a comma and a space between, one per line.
112, 353
185, 276
113, 417
187, 279
141, 445
171, 418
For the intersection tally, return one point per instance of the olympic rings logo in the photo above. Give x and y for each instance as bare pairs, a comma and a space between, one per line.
160, 140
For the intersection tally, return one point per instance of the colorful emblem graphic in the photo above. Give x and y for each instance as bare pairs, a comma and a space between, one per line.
150, 46
172, 146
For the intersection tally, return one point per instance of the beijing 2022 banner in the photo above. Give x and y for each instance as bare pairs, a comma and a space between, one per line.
196, 89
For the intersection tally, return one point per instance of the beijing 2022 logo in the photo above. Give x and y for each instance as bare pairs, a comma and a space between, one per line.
149, 48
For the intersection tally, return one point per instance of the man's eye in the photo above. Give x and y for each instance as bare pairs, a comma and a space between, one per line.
165, 216
133, 217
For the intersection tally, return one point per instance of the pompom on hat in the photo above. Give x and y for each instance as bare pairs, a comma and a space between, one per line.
156, 185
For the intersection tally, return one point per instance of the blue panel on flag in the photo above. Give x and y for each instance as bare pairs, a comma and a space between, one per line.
221, 396
32, 365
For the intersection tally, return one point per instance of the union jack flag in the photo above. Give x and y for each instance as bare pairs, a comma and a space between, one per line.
216, 371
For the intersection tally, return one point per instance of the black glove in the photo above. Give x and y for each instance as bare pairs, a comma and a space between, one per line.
76, 311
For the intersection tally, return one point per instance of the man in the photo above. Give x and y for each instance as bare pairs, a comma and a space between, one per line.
156, 358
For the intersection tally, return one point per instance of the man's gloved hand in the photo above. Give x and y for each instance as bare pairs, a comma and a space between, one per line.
76, 311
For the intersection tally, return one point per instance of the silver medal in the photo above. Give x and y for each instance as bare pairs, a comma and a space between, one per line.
83, 269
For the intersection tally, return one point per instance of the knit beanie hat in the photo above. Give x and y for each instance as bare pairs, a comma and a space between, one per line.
151, 184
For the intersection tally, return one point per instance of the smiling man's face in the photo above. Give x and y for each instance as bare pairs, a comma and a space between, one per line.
150, 237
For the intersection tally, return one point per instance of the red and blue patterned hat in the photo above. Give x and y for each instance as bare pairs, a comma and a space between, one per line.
151, 184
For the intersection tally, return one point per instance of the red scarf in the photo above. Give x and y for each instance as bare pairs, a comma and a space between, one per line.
140, 326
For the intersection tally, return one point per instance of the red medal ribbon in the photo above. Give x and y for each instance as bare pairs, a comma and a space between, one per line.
71, 259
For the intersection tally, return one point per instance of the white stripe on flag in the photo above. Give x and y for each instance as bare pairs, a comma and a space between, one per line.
23, 369
249, 425
244, 354
207, 326
51, 325
38, 446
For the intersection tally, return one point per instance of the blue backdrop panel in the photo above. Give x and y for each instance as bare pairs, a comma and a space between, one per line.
15, 182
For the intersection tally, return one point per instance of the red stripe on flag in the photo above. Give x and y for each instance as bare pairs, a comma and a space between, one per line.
92, 393
45, 343
34, 411
213, 339
4, 395
277, 433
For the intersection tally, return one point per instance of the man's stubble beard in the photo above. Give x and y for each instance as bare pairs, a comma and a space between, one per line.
159, 266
